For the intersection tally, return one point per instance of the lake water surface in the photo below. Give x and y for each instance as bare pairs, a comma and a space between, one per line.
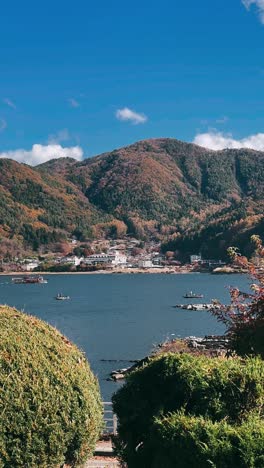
121, 317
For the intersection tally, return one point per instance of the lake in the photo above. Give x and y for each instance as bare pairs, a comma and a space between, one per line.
121, 317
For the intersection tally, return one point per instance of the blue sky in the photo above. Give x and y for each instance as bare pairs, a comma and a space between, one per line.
99, 75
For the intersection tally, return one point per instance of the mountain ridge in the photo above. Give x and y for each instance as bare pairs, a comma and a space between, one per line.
156, 188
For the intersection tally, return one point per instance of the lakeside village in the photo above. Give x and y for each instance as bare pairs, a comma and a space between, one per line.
112, 256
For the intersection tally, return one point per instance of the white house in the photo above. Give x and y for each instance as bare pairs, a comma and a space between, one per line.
31, 265
117, 257
96, 259
74, 260
145, 263
111, 258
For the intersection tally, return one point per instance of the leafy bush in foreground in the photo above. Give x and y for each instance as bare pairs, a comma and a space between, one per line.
216, 389
50, 405
186, 441
244, 317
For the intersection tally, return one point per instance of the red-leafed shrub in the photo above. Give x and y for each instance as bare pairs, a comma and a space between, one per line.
244, 318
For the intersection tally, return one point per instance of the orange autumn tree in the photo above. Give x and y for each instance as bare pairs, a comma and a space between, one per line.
244, 317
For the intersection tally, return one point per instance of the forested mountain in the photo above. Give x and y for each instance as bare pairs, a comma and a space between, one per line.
189, 197
37, 208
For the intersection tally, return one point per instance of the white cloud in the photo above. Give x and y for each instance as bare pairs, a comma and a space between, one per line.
59, 137
73, 102
260, 7
127, 115
218, 140
42, 153
9, 103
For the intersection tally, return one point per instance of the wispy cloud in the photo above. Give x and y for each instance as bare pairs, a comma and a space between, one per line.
128, 115
217, 140
73, 102
222, 120
3, 125
59, 137
260, 7
39, 154
9, 103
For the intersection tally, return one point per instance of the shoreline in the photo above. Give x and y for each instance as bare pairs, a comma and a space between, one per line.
133, 271
213, 346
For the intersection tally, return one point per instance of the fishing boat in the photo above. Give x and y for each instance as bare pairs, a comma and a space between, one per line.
61, 297
192, 295
29, 280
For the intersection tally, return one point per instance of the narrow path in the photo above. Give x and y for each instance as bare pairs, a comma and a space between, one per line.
103, 457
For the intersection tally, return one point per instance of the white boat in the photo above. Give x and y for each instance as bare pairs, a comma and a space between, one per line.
192, 295
61, 297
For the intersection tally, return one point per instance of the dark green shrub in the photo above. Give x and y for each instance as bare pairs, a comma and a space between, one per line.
50, 405
217, 389
186, 441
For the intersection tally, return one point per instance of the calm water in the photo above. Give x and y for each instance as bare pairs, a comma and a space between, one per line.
120, 317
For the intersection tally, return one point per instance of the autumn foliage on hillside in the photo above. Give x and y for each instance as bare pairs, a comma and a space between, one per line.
187, 196
39, 209
190, 198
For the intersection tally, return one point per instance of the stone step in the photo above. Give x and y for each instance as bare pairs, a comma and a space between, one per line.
97, 463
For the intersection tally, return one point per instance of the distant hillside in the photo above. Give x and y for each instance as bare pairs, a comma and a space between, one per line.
189, 197
37, 208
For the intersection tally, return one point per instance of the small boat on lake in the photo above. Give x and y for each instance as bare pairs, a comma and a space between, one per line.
61, 297
192, 295
36, 279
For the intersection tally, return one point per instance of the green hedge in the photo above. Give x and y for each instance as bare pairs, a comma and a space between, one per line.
185, 441
216, 389
50, 406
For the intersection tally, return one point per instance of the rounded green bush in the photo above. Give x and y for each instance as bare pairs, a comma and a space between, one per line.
230, 390
50, 405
